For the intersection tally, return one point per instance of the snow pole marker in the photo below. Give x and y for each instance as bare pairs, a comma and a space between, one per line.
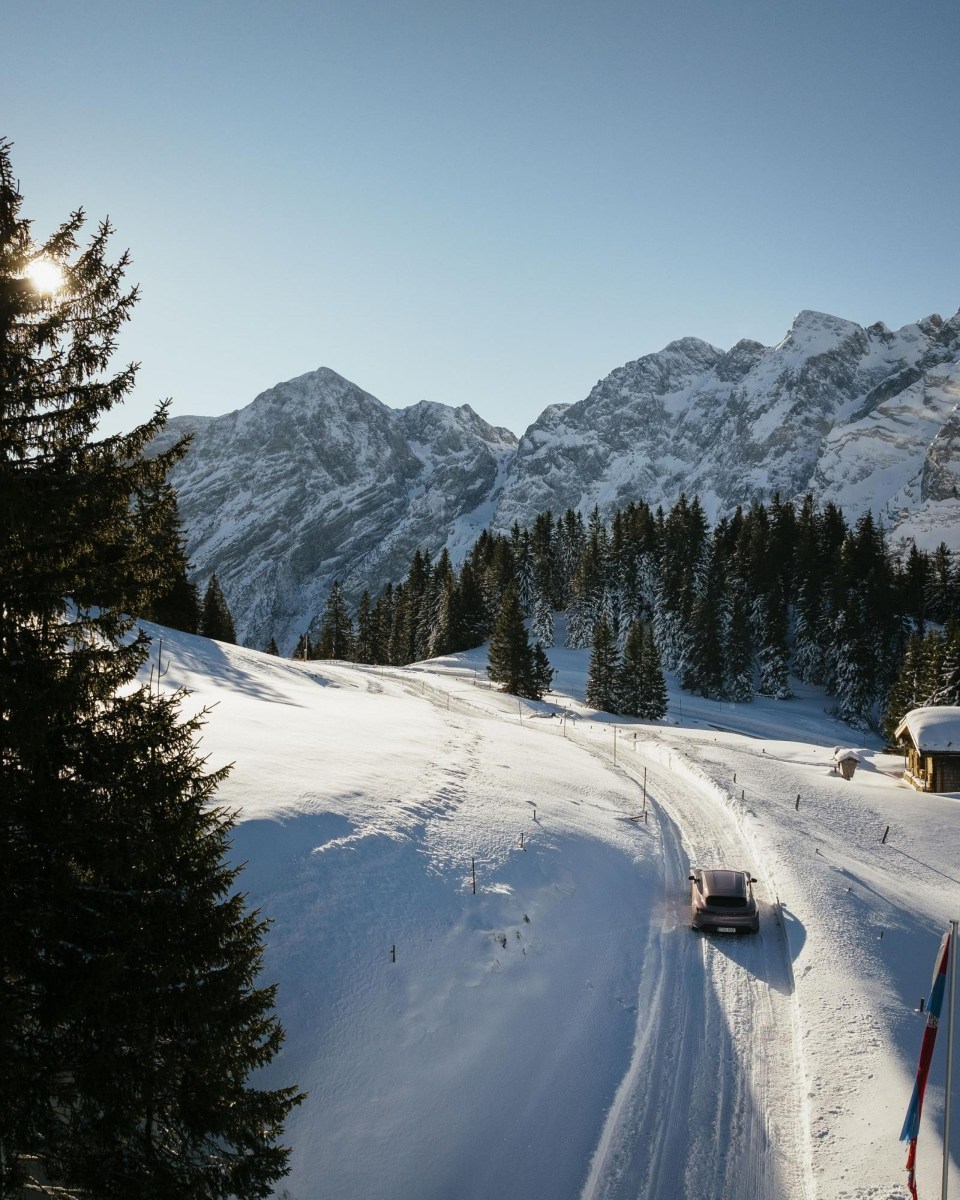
948, 1090
883, 840
796, 807
473, 868
911, 1123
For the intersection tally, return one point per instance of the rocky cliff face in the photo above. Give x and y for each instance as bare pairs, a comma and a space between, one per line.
317, 480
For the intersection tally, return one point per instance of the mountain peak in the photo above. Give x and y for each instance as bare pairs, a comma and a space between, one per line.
815, 332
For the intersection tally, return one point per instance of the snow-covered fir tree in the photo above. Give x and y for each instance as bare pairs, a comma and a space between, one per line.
603, 674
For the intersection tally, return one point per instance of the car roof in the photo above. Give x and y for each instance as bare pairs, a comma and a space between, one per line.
724, 880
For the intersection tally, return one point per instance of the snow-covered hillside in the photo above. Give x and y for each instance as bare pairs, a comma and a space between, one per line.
561, 1031
317, 480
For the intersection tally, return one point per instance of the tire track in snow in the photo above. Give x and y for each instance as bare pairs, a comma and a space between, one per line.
711, 1104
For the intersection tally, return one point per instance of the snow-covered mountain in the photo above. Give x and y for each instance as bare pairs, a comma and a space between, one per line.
317, 479
846, 412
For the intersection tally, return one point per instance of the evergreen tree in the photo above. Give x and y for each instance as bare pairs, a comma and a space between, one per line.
215, 618
571, 539
366, 645
510, 660
472, 626
443, 607
543, 627
654, 697
273, 648
942, 587
178, 604
631, 690
129, 1019
949, 689
417, 613
543, 552
335, 639
911, 688
703, 664
769, 630
684, 548
383, 621
398, 646
641, 687
497, 577
738, 684
445, 634
586, 595
603, 673
542, 672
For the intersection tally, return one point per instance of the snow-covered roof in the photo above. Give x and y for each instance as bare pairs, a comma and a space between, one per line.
932, 730
842, 755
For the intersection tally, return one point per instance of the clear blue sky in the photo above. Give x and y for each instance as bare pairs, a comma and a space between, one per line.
495, 202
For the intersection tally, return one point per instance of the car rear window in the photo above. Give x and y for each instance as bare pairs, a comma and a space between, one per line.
726, 902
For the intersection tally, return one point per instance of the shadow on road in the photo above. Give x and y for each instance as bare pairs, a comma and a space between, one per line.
769, 954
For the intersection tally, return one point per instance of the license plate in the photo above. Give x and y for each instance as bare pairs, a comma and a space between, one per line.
725, 929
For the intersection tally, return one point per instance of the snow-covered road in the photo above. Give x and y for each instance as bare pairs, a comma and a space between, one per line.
712, 1102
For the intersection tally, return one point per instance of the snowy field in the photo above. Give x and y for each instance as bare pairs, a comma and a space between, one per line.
560, 1031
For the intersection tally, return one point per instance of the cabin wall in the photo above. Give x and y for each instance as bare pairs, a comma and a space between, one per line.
932, 772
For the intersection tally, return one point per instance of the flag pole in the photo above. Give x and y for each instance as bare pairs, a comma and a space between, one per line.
911, 1124
951, 1022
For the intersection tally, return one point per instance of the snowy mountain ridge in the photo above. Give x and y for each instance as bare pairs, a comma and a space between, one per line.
316, 479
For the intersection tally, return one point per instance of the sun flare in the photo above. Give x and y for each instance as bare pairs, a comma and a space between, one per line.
46, 276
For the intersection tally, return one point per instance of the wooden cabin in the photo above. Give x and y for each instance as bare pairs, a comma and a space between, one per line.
932, 737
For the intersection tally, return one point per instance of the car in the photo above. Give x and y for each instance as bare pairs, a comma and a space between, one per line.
722, 900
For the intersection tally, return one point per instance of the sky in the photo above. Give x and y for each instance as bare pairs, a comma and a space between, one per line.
493, 204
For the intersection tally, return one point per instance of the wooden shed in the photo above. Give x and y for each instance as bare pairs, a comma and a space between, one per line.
932, 736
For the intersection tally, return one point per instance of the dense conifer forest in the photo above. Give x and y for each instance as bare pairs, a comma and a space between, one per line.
779, 591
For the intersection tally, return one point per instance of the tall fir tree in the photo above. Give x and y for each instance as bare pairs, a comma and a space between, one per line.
129, 1016
178, 604
738, 683
654, 697
472, 626
543, 623
913, 686
543, 672
366, 647
603, 673
630, 681
216, 620
336, 636
510, 660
